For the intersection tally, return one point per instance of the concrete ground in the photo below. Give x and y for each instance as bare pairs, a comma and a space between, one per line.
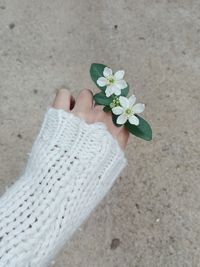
151, 217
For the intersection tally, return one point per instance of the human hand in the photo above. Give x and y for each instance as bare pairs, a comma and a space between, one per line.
84, 108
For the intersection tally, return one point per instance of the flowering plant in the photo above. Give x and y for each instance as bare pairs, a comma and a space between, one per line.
113, 95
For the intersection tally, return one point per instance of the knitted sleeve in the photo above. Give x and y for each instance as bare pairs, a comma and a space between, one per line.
71, 167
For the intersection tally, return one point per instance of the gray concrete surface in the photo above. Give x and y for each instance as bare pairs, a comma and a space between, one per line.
151, 217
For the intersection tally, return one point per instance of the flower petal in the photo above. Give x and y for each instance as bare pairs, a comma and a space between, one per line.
138, 108
132, 100
124, 101
121, 119
119, 74
117, 110
134, 120
121, 84
102, 81
107, 72
116, 90
109, 90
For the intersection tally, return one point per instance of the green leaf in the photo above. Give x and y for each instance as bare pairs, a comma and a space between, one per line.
102, 99
96, 71
143, 130
124, 92
114, 119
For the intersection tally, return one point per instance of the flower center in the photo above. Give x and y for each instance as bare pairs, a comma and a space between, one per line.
111, 79
128, 111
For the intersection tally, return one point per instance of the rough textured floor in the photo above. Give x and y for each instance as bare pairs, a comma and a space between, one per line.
151, 217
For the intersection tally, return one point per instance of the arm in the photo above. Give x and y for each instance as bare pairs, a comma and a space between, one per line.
72, 166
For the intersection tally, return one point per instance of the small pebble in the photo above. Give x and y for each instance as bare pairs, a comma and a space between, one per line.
12, 25
115, 243
19, 136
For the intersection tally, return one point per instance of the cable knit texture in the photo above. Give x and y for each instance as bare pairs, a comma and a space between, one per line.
71, 167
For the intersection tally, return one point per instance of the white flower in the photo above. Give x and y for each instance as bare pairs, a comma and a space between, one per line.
127, 110
114, 83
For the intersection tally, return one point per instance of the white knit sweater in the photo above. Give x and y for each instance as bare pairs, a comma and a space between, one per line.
71, 167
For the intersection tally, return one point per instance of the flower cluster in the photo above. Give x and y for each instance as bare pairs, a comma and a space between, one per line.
114, 83
113, 95
122, 106
127, 110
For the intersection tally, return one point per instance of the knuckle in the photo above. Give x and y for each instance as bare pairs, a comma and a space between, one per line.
63, 91
86, 91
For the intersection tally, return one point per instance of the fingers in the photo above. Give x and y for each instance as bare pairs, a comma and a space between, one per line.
84, 108
63, 100
84, 101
